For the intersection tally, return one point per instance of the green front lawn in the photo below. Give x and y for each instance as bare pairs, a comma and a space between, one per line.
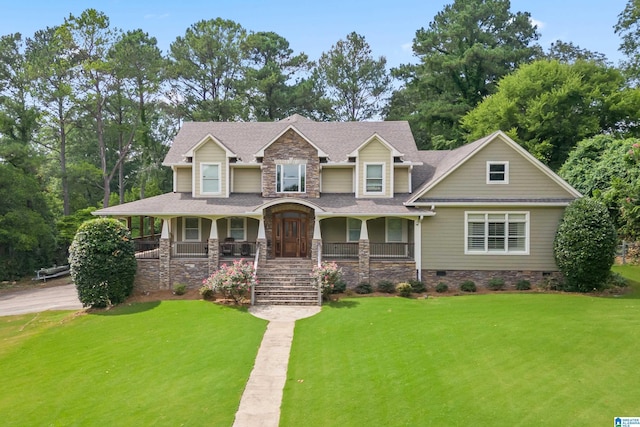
482, 360
170, 363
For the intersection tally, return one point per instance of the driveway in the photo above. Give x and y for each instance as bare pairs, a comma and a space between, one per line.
62, 297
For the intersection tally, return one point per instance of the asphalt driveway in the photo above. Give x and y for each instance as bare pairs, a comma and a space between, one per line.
62, 297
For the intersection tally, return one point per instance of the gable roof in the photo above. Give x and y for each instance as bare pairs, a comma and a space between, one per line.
336, 139
260, 152
453, 159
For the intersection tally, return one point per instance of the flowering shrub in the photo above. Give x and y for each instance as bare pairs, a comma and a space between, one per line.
325, 277
233, 281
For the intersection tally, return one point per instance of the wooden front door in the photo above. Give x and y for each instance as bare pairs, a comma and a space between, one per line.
290, 234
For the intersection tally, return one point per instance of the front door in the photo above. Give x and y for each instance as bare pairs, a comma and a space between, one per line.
290, 234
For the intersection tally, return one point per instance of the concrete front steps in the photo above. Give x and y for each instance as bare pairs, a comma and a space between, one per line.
285, 281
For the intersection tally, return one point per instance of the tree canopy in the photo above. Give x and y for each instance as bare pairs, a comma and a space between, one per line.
462, 55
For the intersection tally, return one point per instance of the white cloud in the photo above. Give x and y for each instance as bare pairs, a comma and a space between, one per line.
154, 16
537, 23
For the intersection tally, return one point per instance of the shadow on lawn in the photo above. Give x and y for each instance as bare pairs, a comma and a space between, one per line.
343, 304
126, 309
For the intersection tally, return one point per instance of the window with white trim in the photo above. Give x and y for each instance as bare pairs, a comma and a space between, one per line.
497, 172
290, 178
497, 233
395, 230
374, 178
353, 229
191, 229
237, 228
210, 178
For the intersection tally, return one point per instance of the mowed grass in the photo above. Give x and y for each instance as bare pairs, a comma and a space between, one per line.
482, 360
170, 363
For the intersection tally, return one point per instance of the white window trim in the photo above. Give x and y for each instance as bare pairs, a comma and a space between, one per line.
359, 229
506, 172
210, 193
300, 165
403, 224
244, 228
184, 229
384, 178
486, 251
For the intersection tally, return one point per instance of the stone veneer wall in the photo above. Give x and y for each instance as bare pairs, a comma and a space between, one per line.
394, 271
453, 278
190, 272
291, 147
147, 275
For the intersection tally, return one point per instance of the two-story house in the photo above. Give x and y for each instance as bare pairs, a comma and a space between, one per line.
290, 194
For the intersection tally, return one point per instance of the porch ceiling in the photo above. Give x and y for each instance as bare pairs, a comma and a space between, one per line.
179, 204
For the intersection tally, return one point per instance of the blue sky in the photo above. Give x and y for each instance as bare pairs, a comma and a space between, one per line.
314, 26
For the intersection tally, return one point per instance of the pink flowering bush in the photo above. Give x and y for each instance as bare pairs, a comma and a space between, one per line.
233, 281
325, 277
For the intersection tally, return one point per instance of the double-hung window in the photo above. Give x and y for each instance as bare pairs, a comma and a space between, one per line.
497, 172
497, 233
237, 228
374, 178
353, 229
210, 183
290, 178
191, 229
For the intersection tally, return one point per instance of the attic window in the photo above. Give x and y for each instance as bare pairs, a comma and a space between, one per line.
497, 172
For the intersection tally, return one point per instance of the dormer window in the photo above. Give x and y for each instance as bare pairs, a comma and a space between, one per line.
374, 182
210, 178
290, 178
497, 172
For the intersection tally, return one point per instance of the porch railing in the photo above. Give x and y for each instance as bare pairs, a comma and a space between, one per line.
391, 250
237, 249
147, 249
189, 250
339, 250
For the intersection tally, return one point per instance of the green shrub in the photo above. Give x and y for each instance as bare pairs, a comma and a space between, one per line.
404, 289
103, 263
616, 280
339, 287
417, 286
385, 286
551, 283
179, 289
523, 285
496, 284
363, 288
442, 287
206, 293
585, 245
468, 286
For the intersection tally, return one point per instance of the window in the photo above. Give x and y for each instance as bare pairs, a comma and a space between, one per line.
497, 232
191, 229
497, 172
374, 182
237, 228
353, 229
291, 178
210, 183
394, 230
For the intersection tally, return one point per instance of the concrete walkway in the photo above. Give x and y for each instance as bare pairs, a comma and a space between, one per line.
63, 297
260, 403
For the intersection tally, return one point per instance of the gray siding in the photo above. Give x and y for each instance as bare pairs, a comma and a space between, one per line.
525, 179
443, 242
247, 180
183, 180
337, 180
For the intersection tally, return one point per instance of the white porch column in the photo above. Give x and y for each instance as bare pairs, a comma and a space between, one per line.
364, 230
316, 248
262, 234
166, 224
417, 245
